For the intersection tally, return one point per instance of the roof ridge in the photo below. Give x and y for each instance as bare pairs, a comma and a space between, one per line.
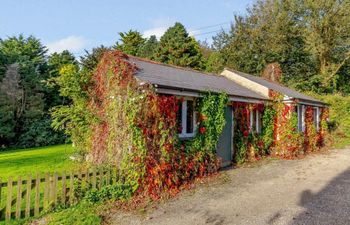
173, 66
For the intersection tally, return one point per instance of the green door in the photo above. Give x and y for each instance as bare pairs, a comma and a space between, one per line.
224, 148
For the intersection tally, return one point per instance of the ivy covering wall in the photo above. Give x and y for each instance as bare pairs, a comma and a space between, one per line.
279, 135
136, 129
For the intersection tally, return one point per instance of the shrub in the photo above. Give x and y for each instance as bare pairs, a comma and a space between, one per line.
110, 192
339, 119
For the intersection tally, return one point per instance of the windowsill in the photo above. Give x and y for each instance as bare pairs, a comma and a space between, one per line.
186, 137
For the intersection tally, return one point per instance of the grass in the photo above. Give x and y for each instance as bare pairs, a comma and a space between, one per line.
33, 160
21, 162
80, 214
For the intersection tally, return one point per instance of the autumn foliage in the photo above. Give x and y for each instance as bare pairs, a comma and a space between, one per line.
136, 129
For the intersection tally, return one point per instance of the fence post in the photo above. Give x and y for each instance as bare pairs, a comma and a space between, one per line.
47, 191
37, 195
87, 178
19, 197
29, 189
80, 180
64, 188
71, 188
54, 188
9, 199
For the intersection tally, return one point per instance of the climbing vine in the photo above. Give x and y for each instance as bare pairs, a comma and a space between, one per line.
323, 132
310, 138
268, 127
136, 129
248, 143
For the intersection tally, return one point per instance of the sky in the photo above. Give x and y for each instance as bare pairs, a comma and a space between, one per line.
76, 25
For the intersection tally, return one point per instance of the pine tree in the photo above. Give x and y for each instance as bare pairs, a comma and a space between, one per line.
176, 47
131, 42
148, 49
90, 60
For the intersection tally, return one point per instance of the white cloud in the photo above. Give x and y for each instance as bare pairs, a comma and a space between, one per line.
158, 26
158, 31
193, 32
71, 43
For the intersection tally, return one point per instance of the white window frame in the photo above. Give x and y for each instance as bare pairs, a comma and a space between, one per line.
317, 118
257, 121
303, 124
301, 110
184, 133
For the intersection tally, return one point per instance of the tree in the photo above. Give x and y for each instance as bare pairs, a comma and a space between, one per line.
2, 65
214, 63
131, 42
90, 60
308, 39
55, 63
326, 29
268, 34
11, 104
176, 47
23, 105
73, 118
148, 49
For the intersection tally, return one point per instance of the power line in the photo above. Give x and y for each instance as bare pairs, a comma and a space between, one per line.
210, 26
209, 32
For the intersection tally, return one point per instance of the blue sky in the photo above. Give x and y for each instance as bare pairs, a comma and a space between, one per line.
82, 24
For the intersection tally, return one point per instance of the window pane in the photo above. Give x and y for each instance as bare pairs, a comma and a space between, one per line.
300, 118
259, 125
179, 118
189, 115
253, 118
315, 116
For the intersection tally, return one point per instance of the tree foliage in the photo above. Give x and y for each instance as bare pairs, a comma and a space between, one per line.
308, 39
147, 50
55, 63
176, 47
131, 42
90, 60
24, 95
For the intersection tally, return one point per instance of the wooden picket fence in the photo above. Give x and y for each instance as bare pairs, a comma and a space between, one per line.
23, 198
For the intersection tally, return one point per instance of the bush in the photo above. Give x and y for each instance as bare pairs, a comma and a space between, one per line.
110, 192
339, 121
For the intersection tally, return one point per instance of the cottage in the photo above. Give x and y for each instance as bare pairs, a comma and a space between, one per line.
241, 88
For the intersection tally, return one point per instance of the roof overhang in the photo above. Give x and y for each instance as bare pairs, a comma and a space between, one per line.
305, 102
196, 93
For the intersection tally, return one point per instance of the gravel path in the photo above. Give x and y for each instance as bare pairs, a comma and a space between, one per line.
314, 190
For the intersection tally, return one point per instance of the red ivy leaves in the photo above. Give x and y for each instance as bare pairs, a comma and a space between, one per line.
202, 130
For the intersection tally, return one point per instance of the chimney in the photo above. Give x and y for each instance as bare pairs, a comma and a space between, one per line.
273, 72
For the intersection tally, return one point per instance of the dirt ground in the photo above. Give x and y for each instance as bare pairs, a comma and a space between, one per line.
313, 190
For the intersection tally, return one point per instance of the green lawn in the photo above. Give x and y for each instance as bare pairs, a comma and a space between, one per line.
34, 160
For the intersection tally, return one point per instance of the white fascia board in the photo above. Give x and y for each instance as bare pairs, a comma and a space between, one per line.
305, 103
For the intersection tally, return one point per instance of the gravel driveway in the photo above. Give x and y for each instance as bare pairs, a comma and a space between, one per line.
313, 190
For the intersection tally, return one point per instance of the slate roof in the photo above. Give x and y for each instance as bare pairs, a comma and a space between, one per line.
179, 78
276, 87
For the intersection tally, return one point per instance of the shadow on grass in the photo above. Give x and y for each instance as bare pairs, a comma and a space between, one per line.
329, 206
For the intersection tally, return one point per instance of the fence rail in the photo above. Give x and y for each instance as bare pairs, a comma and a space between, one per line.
29, 196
